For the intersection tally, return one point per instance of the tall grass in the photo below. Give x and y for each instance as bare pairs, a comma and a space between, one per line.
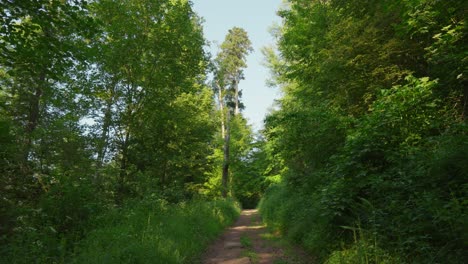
156, 232
150, 230
363, 250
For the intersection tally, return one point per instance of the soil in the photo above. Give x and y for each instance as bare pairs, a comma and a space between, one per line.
249, 242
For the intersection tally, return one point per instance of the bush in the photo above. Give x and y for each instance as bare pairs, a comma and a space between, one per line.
299, 217
45, 232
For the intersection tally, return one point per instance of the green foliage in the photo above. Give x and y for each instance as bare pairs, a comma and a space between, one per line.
155, 116
246, 174
371, 131
102, 102
79, 203
300, 218
247, 162
232, 58
230, 64
50, 230
362, 252
7, 189
141, 231
245, 241
305, 139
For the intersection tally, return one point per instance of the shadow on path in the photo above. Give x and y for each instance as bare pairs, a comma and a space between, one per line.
245, 243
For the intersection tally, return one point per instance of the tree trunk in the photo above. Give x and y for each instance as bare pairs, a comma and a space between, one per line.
123, 169
465, 103
225, 176
104, 140
33, 117
221, 109
236, 98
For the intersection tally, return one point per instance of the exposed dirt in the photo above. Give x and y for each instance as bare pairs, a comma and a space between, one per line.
246, 242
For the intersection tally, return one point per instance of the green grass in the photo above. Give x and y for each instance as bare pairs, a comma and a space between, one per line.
245, 241
248, 252
157, 232
252, 255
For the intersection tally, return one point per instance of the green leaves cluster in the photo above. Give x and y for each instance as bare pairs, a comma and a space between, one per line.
372, 117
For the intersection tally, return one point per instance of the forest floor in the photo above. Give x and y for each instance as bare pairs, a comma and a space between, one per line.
248, 241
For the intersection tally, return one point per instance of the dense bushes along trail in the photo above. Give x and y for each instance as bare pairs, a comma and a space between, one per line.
143, 231
370, 139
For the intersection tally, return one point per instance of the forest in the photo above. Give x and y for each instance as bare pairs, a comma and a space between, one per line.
123, 140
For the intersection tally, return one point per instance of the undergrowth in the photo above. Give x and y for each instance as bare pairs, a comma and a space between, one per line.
394, 191
298, 220
157, 232
150, 230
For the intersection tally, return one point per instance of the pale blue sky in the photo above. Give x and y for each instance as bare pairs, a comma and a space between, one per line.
256, 17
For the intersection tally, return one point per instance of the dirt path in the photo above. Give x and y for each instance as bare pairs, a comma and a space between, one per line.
247, 241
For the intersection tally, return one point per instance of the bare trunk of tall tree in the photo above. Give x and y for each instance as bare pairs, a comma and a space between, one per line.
221, 109
236, 96
227, 138
225, 133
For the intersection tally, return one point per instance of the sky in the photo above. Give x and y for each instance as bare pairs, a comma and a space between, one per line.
256, 17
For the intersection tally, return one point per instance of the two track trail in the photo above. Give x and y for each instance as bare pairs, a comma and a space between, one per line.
248, 242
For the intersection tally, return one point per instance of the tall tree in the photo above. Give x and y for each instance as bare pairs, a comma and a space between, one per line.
230, 62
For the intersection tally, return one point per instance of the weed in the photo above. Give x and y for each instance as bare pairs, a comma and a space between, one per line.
245, 241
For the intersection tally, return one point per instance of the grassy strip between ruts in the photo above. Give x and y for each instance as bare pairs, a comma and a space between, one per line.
248, 252
157, 232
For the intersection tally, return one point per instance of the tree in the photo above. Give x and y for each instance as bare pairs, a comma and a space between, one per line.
41, 44
151, 101
230, 64
41, 41
45, 148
